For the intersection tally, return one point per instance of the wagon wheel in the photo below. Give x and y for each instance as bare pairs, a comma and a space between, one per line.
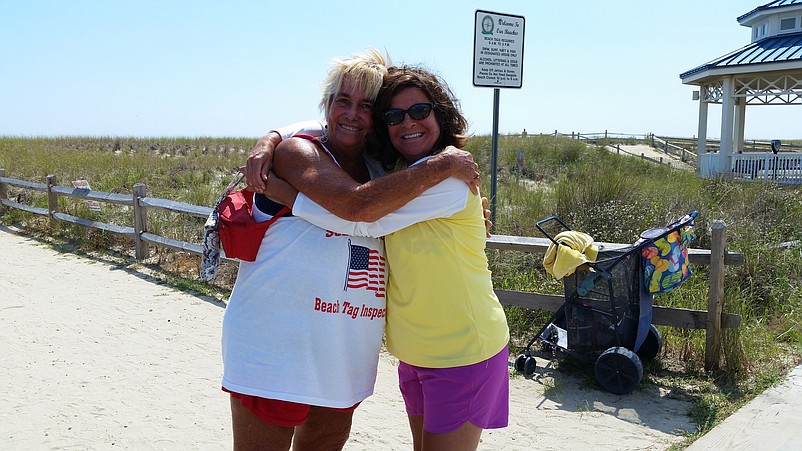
618, 370
519, 363
651, 345
530, 365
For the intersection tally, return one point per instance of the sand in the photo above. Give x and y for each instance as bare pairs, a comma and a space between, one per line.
654, 154
98, 355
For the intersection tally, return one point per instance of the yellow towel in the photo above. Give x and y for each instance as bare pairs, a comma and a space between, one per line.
576, 248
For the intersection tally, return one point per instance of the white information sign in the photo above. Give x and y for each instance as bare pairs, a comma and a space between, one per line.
83, 184
498, 50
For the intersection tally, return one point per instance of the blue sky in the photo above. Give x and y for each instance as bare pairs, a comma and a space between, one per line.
237, 68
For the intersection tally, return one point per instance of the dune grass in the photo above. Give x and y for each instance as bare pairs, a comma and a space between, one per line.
611, 197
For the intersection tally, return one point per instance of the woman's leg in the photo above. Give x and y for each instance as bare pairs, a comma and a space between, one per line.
251, 433
416, 426
465, 438
325, 429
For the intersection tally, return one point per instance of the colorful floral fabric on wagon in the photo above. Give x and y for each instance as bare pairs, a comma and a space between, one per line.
665, 262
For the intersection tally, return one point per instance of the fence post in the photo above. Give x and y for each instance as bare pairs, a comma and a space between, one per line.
519, 164
52, 198
140, 222
3, 191
715, 296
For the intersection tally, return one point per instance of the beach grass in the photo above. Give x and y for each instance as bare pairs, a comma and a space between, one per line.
609, 196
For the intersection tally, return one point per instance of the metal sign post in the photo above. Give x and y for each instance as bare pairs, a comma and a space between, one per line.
498, 56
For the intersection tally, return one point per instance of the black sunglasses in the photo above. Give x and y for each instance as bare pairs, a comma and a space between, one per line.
419, 111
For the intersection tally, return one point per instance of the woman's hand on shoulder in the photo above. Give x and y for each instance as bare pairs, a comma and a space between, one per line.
260, 161
460, 165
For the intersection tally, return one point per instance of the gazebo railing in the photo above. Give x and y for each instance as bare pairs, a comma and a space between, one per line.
783, 167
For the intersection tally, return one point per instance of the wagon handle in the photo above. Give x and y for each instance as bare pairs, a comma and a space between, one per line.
687, 218
655, 234
540, 223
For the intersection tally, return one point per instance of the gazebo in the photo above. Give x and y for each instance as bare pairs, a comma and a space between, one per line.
768, 71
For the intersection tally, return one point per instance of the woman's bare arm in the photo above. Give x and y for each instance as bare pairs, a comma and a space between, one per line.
311, 171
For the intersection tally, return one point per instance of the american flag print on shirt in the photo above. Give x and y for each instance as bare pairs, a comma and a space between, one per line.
365, 270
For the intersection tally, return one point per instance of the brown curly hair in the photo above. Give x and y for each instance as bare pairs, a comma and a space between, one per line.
453, 124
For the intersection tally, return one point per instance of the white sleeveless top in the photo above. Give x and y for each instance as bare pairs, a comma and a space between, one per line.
304, 322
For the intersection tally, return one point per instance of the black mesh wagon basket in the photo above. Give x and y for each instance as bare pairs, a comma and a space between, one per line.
606, 314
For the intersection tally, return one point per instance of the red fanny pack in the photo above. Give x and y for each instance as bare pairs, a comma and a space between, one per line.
240, 235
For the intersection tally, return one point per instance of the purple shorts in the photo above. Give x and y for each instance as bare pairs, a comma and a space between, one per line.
449, 397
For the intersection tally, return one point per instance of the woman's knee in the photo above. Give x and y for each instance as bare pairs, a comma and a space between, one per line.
466, 437
251, 433
324, 429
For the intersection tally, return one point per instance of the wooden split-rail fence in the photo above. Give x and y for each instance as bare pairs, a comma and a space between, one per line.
713, 320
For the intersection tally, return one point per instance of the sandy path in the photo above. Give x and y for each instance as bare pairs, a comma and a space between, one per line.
654, 154
95, 356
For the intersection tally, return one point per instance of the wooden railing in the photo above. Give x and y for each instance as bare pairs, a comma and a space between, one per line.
688, 145
717, 257
659, 160
614, 140
680, 152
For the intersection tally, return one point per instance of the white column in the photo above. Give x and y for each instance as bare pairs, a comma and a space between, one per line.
727, 122
740, 122
701, 144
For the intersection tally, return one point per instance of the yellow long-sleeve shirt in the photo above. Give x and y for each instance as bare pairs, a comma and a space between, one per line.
441, 308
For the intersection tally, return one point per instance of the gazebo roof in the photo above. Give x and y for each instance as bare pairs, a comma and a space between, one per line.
769, 6
764, 55
776, 46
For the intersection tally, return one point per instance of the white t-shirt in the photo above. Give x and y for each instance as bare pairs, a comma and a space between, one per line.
304, 322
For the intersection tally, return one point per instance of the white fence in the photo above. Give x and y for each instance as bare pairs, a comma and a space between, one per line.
781, 167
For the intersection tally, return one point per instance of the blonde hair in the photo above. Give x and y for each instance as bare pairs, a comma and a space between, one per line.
366, 71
